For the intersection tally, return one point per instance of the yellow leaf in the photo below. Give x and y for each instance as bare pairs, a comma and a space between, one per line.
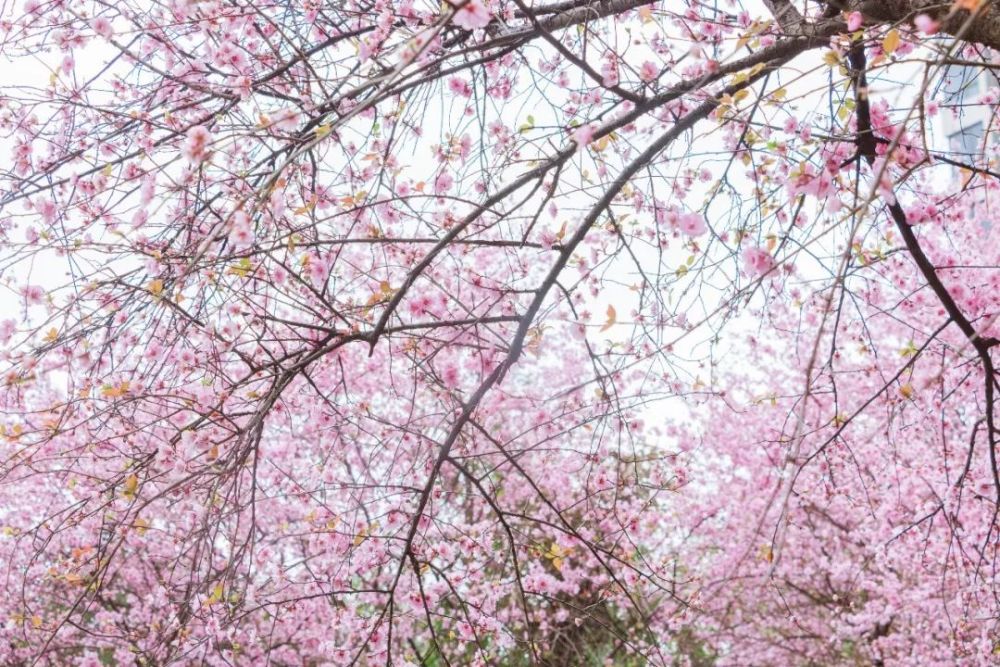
108, 169
131, 486
612, 319
36, 621
215, 596
323, 130
831, 58
740, 95
155, 287
891, 41
242, 268
906, 391
51, 335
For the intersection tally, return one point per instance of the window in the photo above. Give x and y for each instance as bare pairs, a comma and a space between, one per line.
964, 116
967, 139
963, 84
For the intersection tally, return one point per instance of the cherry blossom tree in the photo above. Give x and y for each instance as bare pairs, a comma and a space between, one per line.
569, 332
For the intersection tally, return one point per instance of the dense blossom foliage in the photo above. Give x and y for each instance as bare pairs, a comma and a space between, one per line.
482, 332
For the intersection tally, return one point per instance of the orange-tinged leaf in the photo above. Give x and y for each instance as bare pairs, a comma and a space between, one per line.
891, 41
155, 287
115, 391
612, 319
601, 143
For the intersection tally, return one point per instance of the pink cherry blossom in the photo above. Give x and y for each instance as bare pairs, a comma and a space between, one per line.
7, 329
649, 71
583, 135
443, 183
196, 143
33, 294
472, 14
925, 24
241, 233
757, 261
854, 21
102, 26
692, 224
48, 210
